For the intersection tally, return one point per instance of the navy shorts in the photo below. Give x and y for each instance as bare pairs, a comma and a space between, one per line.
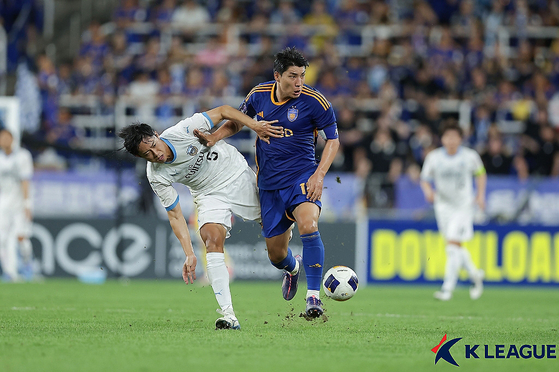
277, 206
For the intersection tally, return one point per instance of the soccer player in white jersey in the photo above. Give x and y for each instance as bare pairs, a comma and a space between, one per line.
451, 169
219, 179
16, 170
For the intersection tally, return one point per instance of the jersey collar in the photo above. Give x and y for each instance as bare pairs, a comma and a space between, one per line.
273, 96
451, 156
172, 149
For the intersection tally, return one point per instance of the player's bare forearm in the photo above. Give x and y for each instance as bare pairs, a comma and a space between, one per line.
316, 181
328, 155
427, 191
180, 228
481, 185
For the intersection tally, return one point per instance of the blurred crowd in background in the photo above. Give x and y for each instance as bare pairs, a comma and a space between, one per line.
388, 94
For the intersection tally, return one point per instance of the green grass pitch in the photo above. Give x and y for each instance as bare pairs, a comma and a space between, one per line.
64, 325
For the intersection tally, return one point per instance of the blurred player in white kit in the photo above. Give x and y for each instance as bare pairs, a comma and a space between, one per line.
16, 170
220, 181
451, 169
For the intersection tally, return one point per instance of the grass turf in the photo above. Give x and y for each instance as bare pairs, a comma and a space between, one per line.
63, 325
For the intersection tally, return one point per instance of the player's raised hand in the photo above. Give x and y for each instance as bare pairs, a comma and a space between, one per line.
265, 130
314, 187
205, 138
189, 269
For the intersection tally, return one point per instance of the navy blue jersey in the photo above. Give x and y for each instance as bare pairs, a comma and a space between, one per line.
285, 159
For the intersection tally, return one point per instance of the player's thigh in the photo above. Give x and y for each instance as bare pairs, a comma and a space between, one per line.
243, 196
306, 214
442, 216
460, 225
273, 210
213, 235
214, 209
277, 246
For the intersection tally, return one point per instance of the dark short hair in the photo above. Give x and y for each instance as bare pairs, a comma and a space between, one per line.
133, 135
287, 58
452, 125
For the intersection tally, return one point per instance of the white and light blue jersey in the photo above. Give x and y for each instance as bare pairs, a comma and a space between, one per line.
202, 169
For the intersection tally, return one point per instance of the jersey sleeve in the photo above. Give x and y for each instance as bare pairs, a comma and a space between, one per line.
427, 172
324, 117
25, 165
164, 190
199, 121
248, 105
477, 164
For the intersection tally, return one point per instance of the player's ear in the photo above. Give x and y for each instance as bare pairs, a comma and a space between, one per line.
156, 134
276, 76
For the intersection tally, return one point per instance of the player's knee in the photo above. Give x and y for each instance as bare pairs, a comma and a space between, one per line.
276, 256
307, 227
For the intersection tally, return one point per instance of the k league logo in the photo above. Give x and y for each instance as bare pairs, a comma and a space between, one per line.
527, 351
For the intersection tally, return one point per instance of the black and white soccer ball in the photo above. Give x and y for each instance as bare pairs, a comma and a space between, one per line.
340, 283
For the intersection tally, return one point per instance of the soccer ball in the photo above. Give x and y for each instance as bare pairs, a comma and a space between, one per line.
340, 283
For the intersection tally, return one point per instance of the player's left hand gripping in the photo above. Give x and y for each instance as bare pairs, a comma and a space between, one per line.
265, 130
205, 138
189, 269
314, 187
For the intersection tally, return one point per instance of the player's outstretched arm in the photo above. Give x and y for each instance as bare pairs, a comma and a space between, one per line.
427, 191
180, 228
481, 184
236, 119
315, 183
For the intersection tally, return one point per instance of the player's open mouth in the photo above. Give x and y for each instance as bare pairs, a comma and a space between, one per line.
297, 92
161, 158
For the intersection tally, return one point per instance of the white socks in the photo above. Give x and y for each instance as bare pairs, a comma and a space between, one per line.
313, 293
26, 250
452, 268
456, 258
296, 269
219, 280
8, 256
468, 264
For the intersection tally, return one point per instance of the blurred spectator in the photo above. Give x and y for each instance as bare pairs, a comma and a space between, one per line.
128, 13
64, 133
152, 59
163, 14
496, 159
285, 14
213, 55
324, 22
190, 17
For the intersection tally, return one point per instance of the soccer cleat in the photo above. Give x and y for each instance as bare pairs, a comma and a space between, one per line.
314, 307
289, 282
443, 295
477, 290
227, 321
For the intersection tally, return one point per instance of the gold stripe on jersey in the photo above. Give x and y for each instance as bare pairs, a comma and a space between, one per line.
325, 107
259, 88
317, 95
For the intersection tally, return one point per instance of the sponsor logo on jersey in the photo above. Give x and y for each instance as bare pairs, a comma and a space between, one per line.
192, 150
292, 114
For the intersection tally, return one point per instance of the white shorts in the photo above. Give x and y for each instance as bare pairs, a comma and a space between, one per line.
239, 197
14, 222
455, 223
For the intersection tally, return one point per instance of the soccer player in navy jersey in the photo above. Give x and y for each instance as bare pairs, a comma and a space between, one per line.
290, 180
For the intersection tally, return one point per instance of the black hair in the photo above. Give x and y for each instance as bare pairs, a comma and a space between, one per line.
452, 125
287, 58
133, 135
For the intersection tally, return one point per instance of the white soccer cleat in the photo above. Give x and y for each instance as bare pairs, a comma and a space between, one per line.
477, 290
443, 295
227, 321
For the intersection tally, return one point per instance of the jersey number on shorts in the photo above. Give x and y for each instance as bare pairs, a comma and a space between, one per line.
303, 189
